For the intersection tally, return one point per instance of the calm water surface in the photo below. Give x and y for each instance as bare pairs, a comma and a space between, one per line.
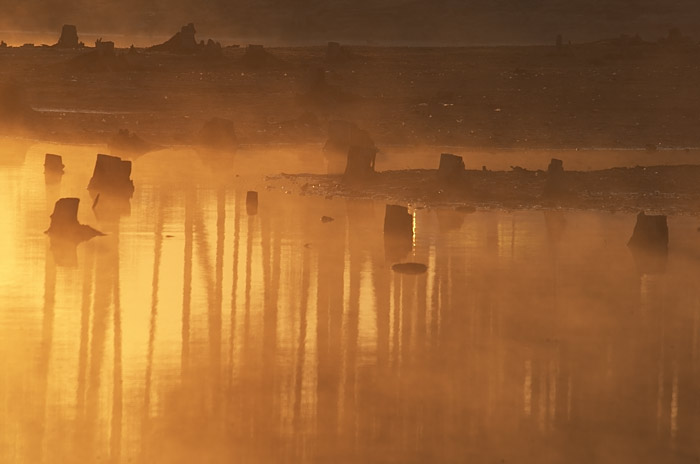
195, 333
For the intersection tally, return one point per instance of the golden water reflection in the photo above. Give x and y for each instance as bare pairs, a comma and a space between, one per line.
194, 332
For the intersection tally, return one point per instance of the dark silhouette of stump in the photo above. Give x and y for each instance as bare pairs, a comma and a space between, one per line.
649, 243
650, 233
398, 232
451, 167
112, 176
360, 163
251, 203
69, 37
555, 185
53, 164
64, 222
409, 268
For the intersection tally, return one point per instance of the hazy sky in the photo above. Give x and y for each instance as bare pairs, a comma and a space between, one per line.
447, 21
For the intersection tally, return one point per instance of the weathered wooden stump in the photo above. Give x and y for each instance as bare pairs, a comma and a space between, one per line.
555, 184
649, 244
398, 221
112, 175
650, 233
409, 268
451, 167
53, 164
64, 221
69, 37
251, 203
360, 163
398, 232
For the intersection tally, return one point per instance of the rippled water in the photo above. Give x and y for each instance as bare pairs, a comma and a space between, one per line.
195, 333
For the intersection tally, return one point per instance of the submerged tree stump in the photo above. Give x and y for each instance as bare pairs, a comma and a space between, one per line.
64, 221
398, 221
398, 232
360, 163
69, 37
650, 233
649, 244
555, 184
53, 164
251, 203
112, 175
451, 167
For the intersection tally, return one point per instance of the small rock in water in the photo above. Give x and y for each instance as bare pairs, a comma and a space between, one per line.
409, 268
325, 219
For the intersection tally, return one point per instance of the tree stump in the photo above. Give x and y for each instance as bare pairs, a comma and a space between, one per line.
555, 185
451, 167
64, 221
69, 37
53, 164
650, 233
360, 163
112, 175
251, 203
398, 221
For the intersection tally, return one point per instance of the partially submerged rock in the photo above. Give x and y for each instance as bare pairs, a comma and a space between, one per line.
112, 175
409, 268
64, 222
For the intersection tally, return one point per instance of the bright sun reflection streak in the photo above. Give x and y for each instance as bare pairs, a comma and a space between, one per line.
413, 238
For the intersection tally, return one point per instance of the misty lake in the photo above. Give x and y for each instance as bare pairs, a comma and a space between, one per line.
193, 332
